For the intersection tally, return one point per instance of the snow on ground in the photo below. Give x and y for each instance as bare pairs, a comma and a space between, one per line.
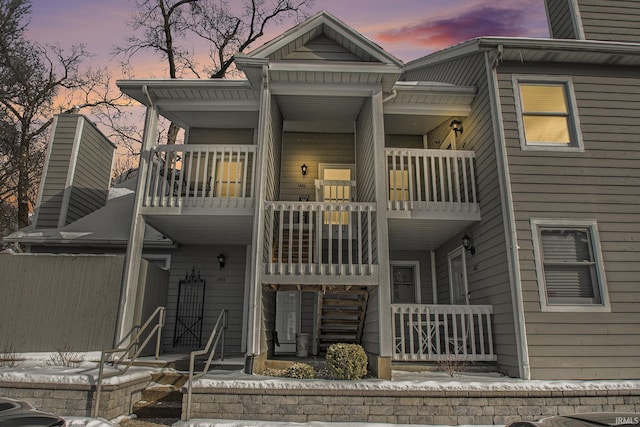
237, 423
88, 422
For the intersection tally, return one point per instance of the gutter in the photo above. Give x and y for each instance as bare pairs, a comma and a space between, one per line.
513, 258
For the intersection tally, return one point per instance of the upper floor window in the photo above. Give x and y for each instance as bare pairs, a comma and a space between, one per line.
569, 265
547, 113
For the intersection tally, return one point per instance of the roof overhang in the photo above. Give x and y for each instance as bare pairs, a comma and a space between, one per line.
537, 50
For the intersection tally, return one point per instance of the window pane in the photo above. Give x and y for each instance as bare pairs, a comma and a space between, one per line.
546, 129
566, 245
543, 99
404, 284
570, 284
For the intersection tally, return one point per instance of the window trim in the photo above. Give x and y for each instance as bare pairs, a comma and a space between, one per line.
537, 224
159, 257
416, 271
573, 119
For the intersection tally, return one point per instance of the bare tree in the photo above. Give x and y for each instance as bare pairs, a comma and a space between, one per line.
36, 82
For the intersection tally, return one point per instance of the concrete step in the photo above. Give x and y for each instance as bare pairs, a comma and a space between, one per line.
162, 409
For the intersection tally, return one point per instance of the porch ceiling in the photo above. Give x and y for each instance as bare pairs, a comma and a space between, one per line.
424, 234
204, 229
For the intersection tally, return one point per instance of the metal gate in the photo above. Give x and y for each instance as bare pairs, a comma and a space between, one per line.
190, 311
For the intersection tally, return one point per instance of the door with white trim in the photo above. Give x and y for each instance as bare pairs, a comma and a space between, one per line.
287, 320
458, 287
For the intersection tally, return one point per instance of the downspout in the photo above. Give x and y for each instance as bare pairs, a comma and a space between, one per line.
391, 97
513, 258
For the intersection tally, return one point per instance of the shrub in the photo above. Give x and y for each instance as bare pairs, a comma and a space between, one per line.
346, 361
301, 371
9, 357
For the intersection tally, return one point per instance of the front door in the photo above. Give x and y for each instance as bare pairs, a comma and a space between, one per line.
287, 320
459, 292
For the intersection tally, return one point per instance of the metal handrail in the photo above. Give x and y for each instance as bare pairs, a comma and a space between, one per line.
214, 338
135, 342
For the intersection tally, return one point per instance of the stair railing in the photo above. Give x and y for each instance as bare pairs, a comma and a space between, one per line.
218, 332
135, 334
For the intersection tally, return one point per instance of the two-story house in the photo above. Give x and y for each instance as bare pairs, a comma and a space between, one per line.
478, 203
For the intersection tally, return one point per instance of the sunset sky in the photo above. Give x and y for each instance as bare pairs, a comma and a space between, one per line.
408, 29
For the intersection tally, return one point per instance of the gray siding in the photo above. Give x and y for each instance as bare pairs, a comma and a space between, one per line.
91, 176
59, 302
310, 149
561, 22
321, 48
220, 136
365, 170
224, 289
487, 271
601, 183
611, 20
403, 141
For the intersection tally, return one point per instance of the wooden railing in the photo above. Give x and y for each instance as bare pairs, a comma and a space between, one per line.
442, 332
320, 238
200, 176
431, 180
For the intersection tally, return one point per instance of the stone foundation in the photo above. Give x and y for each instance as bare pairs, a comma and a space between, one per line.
405, 407
77, 399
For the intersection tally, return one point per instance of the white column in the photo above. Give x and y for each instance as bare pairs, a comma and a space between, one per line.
129, 289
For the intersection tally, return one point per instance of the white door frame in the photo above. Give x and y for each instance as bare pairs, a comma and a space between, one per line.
458, 252
287, 347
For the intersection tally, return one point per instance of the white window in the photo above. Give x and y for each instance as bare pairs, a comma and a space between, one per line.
569, 265
547, 114
405, 280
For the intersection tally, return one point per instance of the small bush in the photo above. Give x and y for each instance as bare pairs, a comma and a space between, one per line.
346, 361
9, 357
300, 371
64, 357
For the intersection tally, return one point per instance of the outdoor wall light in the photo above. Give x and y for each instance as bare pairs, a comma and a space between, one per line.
456, 126
466, 243
304, 169
221, 260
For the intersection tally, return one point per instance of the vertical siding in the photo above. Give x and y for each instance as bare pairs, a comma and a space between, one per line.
224, 289
274, 150
561, 22
601, 183
365, 170
611, 20
310, 149
59, 302
487, 271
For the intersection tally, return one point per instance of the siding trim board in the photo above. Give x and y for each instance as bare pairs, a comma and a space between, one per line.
73, 161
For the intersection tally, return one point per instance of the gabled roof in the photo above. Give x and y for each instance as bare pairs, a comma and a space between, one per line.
309, 40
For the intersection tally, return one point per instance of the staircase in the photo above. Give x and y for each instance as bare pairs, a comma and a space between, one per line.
294, 245
162, 400
342, 315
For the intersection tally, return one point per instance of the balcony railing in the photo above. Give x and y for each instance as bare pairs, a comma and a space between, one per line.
306, 238
442, 332
431, 180
200, 176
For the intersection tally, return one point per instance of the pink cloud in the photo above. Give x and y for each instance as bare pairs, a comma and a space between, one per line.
474, 22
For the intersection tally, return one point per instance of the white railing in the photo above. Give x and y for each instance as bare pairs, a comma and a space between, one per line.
200, 176
430, 180
320, 238
335, 190
442, 332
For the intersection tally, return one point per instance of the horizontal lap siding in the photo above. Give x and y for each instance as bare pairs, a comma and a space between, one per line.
487, 270
560, 19
601, 183
224, 289
611, 20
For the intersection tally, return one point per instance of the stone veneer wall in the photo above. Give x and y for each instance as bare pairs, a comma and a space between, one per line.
76, 399
406, 406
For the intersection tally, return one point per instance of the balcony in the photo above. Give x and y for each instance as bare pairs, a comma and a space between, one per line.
200, 179
432, 333
320, 242
431, 184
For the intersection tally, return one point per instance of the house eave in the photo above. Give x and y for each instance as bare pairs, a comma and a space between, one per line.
515, 49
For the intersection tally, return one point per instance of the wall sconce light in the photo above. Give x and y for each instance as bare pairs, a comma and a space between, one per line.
304, 169
466, 243
221, 260
456, 126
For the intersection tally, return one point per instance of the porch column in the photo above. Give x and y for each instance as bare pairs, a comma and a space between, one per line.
382, 236
128, 290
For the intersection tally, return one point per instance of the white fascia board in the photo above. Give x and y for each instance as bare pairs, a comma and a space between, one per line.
133, 88
428, 109
317, 89
434, 87
334, 67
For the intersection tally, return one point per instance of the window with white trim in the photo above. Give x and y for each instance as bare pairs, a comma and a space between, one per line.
405, 280
547, 113
569, 265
